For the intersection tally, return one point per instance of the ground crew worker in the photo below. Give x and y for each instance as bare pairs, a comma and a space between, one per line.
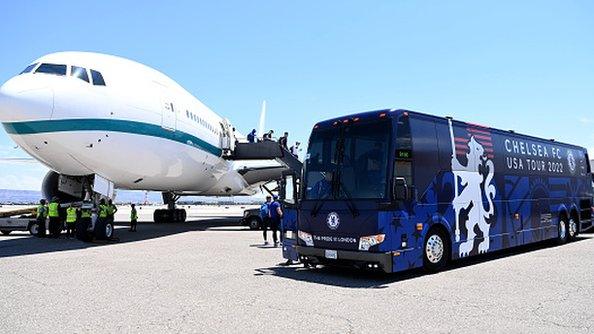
111, 210
71, 218
133, 219
85, 220
41, 218
103, 210
55, 227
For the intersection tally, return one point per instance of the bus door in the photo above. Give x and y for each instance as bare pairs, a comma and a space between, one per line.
289, 186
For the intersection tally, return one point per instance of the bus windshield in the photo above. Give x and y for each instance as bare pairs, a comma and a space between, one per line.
349, 162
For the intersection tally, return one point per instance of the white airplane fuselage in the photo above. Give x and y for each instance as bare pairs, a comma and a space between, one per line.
141, 130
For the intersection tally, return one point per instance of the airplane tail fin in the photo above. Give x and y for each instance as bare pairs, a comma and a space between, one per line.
261, 124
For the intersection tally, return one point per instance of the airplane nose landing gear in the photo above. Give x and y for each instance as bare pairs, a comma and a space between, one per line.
171, 214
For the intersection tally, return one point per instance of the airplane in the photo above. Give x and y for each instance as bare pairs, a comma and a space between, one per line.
101, 122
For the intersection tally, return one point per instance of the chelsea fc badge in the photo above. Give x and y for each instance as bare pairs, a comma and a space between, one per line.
333, 220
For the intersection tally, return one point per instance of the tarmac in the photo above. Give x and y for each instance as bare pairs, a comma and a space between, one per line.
212, 275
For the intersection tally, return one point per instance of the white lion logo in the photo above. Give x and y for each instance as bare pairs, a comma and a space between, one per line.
471, 196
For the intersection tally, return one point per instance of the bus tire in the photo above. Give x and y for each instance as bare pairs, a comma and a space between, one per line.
5, 232
436, 250
562, 230
572, 227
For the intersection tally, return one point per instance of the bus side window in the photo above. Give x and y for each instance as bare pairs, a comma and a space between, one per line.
403, 161
444, 144
425, 156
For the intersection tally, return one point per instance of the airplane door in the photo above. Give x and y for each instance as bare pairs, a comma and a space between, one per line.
168, 114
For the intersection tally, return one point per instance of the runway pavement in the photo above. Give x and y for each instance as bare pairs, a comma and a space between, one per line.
211, 275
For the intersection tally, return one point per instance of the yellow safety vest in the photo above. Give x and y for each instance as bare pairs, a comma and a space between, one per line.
110, 209
41, 211
103, 211
86, 213
134, 215
71, 215
54, 210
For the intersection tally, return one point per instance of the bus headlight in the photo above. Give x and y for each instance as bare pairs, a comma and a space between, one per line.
367, 242
306, 237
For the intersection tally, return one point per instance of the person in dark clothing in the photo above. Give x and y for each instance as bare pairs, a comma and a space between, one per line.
283, 140
55, 222
133, 218
268, 135
41, 218
265, 215
276, 214
251, 137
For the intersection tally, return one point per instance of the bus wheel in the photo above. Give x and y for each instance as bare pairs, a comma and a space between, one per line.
572, 228
563, 227
435, 251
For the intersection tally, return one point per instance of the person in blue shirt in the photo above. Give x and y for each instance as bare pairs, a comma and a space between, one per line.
276, 213
251, 137
265, 215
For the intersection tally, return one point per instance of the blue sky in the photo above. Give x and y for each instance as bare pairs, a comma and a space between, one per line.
522, 65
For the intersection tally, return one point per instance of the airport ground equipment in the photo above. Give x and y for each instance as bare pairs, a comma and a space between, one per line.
8, 225
266, 150
18, 220
392, 190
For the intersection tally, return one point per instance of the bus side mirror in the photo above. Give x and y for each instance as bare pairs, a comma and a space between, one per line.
400, 189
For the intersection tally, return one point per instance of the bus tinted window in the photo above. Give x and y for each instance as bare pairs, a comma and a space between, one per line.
97, 78
80, 72
55, 69
354, 159
29, 68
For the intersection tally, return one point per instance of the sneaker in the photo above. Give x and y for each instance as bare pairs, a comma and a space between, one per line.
266, 243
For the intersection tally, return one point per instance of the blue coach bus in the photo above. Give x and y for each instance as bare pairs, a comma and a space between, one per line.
394, 190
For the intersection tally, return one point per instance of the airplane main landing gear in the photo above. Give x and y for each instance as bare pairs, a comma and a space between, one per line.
171, 214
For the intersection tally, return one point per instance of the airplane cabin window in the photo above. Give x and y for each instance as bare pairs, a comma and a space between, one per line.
79, 72
54, 69
29, 68
97, 78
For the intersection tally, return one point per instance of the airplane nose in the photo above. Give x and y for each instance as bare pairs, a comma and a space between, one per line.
21, 98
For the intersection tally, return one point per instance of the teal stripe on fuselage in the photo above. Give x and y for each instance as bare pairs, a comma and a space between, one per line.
115, 125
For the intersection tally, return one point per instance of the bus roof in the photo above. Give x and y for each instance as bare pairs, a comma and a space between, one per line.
392, 113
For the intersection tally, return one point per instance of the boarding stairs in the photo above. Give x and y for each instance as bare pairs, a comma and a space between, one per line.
266, 150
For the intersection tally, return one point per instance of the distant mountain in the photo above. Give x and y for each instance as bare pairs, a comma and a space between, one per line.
8, 196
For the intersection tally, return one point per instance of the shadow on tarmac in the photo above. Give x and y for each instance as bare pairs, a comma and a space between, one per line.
349, 277
21, 243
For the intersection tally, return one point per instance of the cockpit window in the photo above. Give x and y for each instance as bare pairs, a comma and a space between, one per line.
29, 68
54, 69
97, 78
79, 72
